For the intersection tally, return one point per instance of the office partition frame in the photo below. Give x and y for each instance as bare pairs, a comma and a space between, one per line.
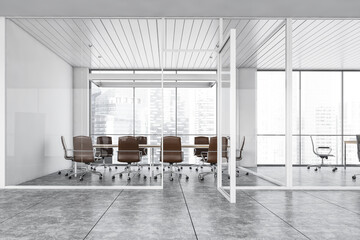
229, 40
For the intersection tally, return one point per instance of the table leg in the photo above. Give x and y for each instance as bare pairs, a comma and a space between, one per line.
345, 156
75, 169
151, 162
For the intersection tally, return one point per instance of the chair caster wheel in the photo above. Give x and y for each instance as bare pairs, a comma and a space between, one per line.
202, 179
196, 169
316, 169
178, 169
110, 169
354, 177
247, 173
164, 169
190, 167
212, 170
113, 177
144, 177
91, 168
238, 171
181, 167
66, 174
148, 168
187, 178
201, 167
59, 172
228, 177
100, 177
94, 169
157, 168
120, 175
155, 177
115, 167
128, 178
70, 177
81, 179
308, 167
171, 179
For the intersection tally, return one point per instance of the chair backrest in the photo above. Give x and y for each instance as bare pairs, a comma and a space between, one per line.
172, 149
128, 148
212, 154
358, 145
66, 156
200, 140
105, 152
83, 149
313, 145
142, 140
242, 148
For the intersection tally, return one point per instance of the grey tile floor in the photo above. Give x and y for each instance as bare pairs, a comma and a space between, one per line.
183, 210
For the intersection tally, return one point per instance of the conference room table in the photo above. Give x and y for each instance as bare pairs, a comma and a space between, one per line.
152, 147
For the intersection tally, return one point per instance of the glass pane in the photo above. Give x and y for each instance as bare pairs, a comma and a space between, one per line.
271, 149
271, 102
111, 110
321, 103
351, 103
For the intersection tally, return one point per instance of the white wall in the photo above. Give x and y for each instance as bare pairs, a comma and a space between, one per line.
38, 107
246, 98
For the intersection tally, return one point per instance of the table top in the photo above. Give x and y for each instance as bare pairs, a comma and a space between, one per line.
350, 142
151, 146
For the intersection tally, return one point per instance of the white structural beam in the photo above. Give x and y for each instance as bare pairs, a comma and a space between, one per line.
149, 77
289, 83
2, 103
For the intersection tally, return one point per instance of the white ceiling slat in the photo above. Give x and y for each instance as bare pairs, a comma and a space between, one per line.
95, 50
345, 45
119, 46
69, 26
84, 47
89, 30
147, 41
124, 41
49, 31
198, 23
131, 41
103, 35
44, 39
263, 52
138, 36
178, 37
257, 40
329, 44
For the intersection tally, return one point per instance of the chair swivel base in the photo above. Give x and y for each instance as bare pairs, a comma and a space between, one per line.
84, 172
128, 171
318, 166
171, 175
354, 176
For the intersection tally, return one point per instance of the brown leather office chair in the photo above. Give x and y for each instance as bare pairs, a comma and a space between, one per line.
200, 152
212, 156
142, 140
172, 154
84, 153
128, 152
67, 156
105, 152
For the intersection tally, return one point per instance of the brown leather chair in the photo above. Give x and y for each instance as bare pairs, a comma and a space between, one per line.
200, 152
105, 152
67, 156
212, 155
128, 152
142, 140
84, 153
172, 154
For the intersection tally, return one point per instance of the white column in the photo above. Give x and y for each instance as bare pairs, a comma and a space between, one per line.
246, 115
81, 102
288, 127
2, 102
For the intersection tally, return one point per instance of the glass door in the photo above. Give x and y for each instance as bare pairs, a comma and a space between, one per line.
226, 112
